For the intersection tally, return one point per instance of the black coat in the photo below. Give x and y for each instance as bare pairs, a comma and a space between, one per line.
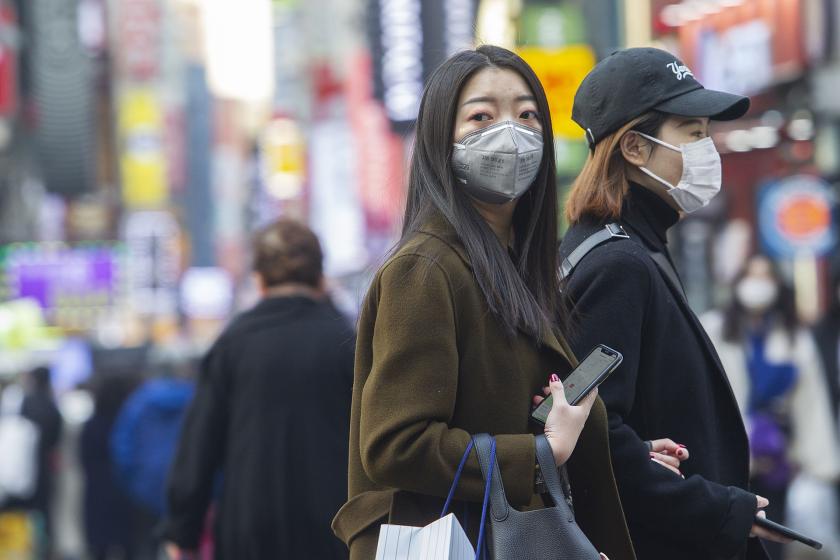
671, 384
272, 415
827, 337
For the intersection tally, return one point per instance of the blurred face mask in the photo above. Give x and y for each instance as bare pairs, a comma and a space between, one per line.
757, 294
499, 163
701, 173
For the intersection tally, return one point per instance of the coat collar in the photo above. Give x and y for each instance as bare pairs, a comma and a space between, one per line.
439, 227
649, 215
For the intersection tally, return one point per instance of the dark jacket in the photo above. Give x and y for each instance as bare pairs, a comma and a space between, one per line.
271, 413
671, 384
107, 508
433, 366
144, 438
827, 337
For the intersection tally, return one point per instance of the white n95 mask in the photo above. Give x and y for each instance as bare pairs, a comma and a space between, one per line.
701, 173
499, 163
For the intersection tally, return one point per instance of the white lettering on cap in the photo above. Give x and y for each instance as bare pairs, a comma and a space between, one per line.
680, 70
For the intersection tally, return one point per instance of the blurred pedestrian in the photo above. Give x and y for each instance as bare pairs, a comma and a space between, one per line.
775, 372
460, 327
38, 406
107, 508
271, 414
143, 444
651, 161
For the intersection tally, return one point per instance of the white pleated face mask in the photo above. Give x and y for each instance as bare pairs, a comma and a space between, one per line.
701, 173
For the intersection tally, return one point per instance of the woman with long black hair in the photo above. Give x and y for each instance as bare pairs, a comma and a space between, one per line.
459, 329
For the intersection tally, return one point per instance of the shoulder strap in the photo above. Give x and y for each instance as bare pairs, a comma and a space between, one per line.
668, 270
610, 232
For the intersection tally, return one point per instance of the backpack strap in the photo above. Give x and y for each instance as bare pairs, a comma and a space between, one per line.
608, 233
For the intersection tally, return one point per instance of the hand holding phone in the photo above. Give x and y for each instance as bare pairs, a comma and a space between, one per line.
590, 373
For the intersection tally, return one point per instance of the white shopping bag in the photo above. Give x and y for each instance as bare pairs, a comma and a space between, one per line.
18, 448
442, 540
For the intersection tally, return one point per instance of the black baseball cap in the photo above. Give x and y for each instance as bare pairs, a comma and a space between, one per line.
629, 83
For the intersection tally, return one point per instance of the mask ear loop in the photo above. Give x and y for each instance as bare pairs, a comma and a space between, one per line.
647, 171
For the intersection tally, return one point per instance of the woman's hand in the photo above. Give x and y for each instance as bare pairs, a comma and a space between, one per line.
668, 453
761, 532
565, 422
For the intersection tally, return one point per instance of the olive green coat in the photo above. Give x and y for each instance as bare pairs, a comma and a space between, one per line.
434, 366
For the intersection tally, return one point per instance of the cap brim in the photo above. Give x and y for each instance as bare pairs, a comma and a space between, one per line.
701, 102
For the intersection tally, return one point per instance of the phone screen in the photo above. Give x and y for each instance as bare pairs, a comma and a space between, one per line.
589, 373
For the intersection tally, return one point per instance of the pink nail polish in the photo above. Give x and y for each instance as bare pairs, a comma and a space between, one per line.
554, 378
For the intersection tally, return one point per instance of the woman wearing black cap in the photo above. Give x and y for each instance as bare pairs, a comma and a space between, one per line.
647, 122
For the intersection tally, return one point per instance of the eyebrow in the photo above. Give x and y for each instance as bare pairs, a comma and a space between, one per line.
487, 99
690, 122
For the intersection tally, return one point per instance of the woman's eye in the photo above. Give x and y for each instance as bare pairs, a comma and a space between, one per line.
480, 117
529, 115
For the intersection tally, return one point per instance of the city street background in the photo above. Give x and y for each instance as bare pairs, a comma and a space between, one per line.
143, 142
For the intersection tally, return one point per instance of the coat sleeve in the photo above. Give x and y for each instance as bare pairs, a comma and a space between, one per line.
612, 293
409, 396
200, 453
815, 440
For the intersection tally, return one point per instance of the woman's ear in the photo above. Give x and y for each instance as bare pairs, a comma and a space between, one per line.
635, 149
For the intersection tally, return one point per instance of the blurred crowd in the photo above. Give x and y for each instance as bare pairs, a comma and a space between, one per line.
96, 481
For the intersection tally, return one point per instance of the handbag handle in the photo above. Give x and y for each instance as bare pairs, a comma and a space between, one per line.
548, 468
499, 505
487, 486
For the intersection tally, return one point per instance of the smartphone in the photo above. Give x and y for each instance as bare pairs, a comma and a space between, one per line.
765, 523
590, 373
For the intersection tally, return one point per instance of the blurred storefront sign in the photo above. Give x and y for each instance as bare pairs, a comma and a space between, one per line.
379, 155
795, 217
547, 25
284, 159
74, 285
143, 162
739, 59
138, 35
153, 261
8, 61
409, 39
396, 39
561, 71
745, 47
335, 212
62, 92
291, 95
206, 293
496, 22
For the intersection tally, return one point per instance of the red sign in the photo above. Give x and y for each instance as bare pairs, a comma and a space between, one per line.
139, 35
8, 62
380, 152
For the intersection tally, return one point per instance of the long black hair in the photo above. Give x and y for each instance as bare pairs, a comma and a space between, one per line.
522, 292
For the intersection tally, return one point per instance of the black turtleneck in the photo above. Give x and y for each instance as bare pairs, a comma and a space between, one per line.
649, 215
